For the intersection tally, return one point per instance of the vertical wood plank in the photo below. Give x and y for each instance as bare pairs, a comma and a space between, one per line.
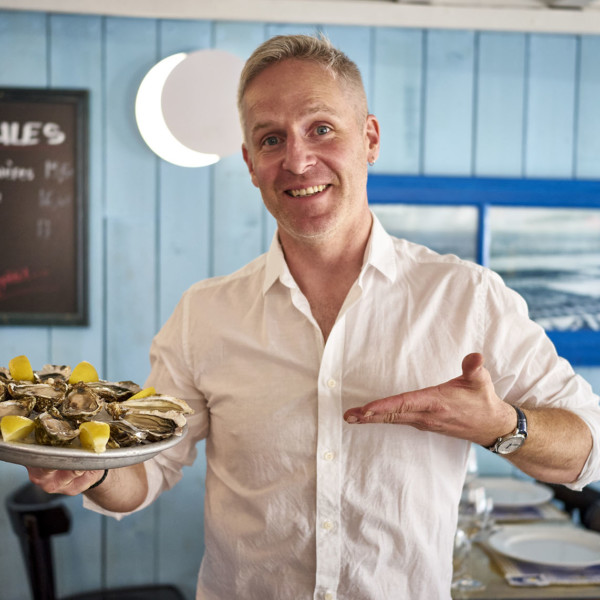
23, 39
238, 209
131, 203
185, 253
185, 210
130, 212
397, 98
588, 122
500, 105
76, 62
550, 106
448, 102
23, 44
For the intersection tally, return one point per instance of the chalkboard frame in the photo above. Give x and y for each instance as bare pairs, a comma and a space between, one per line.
78, 99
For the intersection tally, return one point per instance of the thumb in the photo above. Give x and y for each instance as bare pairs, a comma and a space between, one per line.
471, 365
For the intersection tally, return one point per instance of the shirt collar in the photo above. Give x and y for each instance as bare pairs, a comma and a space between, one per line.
378, 254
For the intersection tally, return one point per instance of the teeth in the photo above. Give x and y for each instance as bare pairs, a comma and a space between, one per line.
307, 191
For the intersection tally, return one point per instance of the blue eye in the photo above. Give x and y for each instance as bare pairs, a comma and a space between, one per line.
323, 129
270, 141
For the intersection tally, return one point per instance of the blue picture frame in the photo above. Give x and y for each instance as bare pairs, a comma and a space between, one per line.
581, 347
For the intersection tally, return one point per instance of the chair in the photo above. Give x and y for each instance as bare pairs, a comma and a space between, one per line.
35, 517
585, 503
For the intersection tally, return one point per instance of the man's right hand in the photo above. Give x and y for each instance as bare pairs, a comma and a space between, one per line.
70, 483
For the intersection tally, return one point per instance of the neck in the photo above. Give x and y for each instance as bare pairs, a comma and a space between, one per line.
326, 271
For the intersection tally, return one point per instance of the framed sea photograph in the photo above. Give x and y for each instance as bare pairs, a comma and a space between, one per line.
542, 236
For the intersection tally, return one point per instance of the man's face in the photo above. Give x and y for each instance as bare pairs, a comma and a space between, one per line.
307, 144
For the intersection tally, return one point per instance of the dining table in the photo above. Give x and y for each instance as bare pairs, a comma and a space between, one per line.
529, 511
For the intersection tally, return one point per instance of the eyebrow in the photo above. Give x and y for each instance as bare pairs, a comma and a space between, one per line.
309, 110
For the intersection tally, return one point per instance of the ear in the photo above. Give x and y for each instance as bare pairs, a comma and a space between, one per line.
372, 136
249, 164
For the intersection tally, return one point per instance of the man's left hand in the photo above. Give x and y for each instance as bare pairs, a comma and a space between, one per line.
466, 407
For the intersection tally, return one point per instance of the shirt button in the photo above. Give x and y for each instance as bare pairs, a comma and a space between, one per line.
327, 525
331, 383
329, 455
329, 596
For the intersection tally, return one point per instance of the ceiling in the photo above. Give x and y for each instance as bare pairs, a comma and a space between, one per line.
547, 16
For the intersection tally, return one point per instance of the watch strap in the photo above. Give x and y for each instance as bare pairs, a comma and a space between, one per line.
519, 432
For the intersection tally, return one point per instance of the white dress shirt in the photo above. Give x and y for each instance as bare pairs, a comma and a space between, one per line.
300, 504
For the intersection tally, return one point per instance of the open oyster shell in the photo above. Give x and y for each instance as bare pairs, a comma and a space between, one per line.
157, 402
81, 403
46, 394
52, 372
124, 435
112, 391
158, 425
22, 407
52, 430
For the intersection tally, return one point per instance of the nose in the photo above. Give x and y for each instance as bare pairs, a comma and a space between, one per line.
298, 157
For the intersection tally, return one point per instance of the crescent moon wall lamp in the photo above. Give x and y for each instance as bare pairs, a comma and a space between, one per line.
186, 109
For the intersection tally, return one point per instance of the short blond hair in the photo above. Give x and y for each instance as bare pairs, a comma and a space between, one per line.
302, 47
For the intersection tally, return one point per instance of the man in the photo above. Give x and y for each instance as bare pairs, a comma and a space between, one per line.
293, 362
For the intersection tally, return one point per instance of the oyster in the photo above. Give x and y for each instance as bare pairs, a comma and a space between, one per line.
123, 435
158, 425
157, 402
81, 403
2, 390
52, 430
52, 372
22, 407
45, 394
4, 374
114, 391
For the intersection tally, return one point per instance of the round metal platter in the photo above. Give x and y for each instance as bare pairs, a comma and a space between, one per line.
51, 457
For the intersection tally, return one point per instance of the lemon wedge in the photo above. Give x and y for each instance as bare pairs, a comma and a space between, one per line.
15, 427
20, 368
83, 372
149, 391
94, 435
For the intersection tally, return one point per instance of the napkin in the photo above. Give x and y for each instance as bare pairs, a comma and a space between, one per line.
544, 512
523, 574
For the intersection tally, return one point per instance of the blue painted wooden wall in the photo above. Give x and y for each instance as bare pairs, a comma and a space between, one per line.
449, 102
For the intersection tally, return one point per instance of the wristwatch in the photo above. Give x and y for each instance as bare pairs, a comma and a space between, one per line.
513, 441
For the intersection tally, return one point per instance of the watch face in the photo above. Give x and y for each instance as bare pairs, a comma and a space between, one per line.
510, 445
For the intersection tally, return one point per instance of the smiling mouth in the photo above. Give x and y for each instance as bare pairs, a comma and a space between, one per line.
309, 191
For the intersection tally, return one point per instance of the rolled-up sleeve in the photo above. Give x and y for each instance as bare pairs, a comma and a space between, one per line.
528, 372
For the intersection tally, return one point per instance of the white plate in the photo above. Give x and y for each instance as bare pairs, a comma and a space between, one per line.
507, 492
51, 457
552, 545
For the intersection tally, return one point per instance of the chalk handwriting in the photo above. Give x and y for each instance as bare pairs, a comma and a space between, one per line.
44, 228
11, 172
30, 133
58, 171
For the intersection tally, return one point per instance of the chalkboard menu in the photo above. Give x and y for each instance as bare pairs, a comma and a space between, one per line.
43, 181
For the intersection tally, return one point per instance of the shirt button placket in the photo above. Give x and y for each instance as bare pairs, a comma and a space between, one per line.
329, 431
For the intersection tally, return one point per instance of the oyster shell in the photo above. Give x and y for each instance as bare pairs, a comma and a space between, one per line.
81, 403
52, 430
2, 390
45, 394
112, 391
53, 372
22, 407
124, 435
157, 402
4, 374
158, 425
